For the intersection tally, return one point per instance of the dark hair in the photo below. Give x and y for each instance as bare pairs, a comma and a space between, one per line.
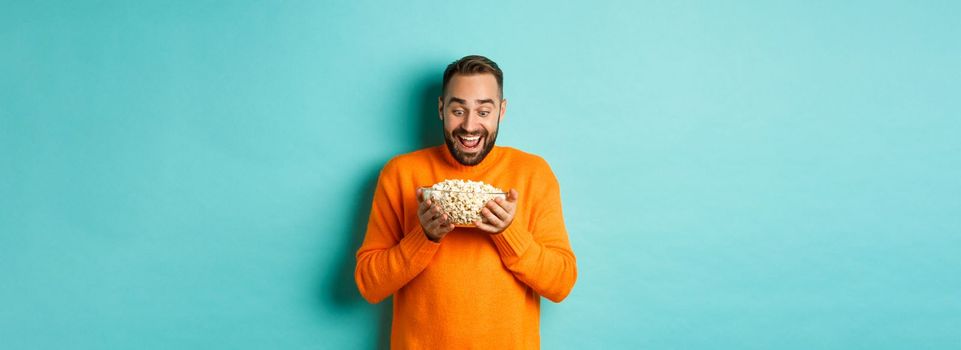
474, 64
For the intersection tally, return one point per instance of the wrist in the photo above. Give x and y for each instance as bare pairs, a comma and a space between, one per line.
431, 238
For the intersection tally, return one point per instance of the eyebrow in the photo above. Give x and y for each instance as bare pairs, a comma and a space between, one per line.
463, 101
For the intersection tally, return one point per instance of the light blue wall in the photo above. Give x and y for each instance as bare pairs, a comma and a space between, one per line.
735, 175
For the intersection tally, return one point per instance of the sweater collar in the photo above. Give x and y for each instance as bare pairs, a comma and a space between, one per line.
492, 158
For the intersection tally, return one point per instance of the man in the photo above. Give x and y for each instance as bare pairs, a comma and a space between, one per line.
467, 287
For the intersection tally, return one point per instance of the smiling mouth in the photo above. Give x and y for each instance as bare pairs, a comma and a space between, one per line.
470, 143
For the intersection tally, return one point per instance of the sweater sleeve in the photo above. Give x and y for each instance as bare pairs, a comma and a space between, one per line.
387, 260
542, 258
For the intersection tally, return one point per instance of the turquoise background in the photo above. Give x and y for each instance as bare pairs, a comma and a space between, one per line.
735, 175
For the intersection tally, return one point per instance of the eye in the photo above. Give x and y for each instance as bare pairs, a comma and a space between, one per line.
483, 113
458, 112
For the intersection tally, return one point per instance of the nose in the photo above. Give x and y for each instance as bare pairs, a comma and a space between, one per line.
472, 123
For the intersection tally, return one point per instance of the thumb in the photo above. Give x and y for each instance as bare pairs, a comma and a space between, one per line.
512, 196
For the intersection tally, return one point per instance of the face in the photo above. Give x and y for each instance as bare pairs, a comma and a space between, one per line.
471, 110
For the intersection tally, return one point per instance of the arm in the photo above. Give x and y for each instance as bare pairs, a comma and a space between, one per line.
542, 258
386, 261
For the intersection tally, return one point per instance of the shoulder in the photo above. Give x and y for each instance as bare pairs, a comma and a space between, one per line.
526, 159
530, 165
533, 173
410, 160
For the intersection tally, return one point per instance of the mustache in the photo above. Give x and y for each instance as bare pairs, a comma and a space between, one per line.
460, 132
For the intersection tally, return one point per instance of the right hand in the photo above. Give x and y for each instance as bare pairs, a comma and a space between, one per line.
432, 219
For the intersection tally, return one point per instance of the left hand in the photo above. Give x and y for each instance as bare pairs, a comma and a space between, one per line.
498, 213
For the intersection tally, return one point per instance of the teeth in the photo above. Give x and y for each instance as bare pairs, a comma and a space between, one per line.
470, 138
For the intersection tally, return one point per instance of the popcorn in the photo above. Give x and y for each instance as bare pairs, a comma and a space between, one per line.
462, 200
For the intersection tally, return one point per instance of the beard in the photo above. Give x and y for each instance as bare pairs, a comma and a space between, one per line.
470, 158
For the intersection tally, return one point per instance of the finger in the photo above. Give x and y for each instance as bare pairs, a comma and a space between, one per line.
423, 213
445, 226
437, 210
423, 206
508, 207
498, 209
513, 196
420, 195
433, 224
511, 202
485, 227
441, 219
491, 218
429, 215
434, 210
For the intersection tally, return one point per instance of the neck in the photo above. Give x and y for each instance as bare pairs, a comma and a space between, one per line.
485, 163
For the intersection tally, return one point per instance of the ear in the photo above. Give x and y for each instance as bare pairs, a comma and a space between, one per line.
440, 107
503, 108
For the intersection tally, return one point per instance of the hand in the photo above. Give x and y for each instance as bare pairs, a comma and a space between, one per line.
498, 213
432, 219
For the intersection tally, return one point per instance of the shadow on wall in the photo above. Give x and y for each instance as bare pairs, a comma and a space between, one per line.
343, 289
427, 132
430, 130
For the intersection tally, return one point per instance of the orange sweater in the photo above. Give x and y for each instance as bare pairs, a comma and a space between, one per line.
473, 289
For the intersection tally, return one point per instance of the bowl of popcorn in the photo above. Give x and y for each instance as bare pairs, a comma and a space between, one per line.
462, 200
